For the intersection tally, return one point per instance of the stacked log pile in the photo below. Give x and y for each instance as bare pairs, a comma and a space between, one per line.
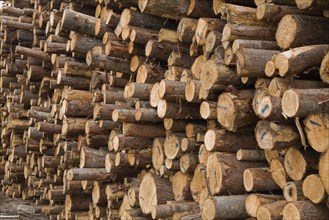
157, 109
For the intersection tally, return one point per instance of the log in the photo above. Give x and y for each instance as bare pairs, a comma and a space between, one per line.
294, 102
186, 29
205, 25
292, 191
154, 191
224, 169
255, 200
323, 170
270, 135
313, 189
172, 10
234, 110
259, 180
278, 172
250, 155
271, 210
304, 210
324, 69
180, 110
198, 185
143, 130
225, 141
311, 4
167, 210
299, 35
229, 207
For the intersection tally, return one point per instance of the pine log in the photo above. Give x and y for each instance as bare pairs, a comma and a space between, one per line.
278, 172
154, 191
270, 135
250, 155
229, 207
304, 210
158, 157
167, 210
313, 189
292, 191
198, 187
299, 34
223, 169
254, 201
294, 102
324, 69
323, 170
186, 29
143, 130
259, 180
271, 210
315, 4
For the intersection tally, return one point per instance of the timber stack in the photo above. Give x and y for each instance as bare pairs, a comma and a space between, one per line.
157, 109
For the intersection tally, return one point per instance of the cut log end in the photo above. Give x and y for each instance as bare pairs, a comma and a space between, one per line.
286, 32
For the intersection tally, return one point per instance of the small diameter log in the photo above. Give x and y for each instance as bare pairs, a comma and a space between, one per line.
305, 210
299, 34
158, 156
250, 155
188, 163
255, 44
88, 174
232, 32
235, 110
273, 12
92, 158
208, 110
324, 169
223, 169
270, 135
167, 210
150, 73
324, 69
143, 130
198, 185
179, 59
271, 210
138, 90
298, 164
313, 189
76, 108
302, 102
153, 191
259, 180
181, 186
222, 140
292, 191
192, 90
292, 62
178, 110
122, 142
171, 90
278, 86
172, 10
268, 107
228, 207
124, 115
186, 29
172, 145
317, 131
205, 25
278, 172
147, 115
78, 22
162, 50
73, 126
254, 201
251, 62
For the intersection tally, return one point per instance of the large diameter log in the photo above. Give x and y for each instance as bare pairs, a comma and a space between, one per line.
324, 169
225, 141
270, 135
154, 190
167, 210
79, 22
313, 189
294, 30
304, 210
235, 110
302, 102
223, 169
255, 200
292, 62
225, 207
166, 9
